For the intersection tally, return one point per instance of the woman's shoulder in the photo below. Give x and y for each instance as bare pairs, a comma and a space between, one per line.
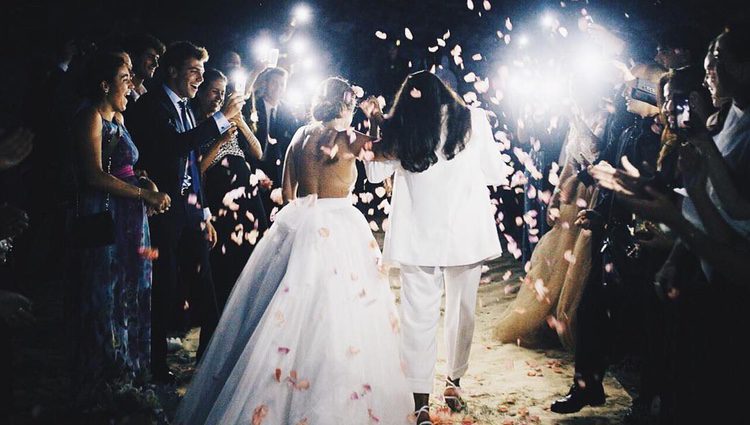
87, 117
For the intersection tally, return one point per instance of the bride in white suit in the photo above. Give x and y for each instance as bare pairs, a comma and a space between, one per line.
442, 224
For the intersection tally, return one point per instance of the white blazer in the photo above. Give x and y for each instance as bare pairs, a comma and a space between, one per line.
443, 215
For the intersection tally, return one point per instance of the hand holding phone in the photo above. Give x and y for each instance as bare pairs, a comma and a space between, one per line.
273, 58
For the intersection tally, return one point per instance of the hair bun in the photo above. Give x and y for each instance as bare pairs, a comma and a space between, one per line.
334, 96
326, 110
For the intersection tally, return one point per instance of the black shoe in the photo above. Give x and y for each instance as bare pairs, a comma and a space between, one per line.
577, 398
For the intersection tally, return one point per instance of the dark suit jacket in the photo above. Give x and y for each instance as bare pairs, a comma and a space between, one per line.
282, 130
155, 126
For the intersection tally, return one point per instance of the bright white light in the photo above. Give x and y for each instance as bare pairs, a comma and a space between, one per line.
308, 63
295, 96
239, 79
299, 45
302, 13
312, 82
520, 85
591, 63
523, 40
548, 20
262, 48
551, 88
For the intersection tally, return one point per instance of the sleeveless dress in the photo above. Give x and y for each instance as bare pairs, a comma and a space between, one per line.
232, 194
310, 332
112, 305
561, 262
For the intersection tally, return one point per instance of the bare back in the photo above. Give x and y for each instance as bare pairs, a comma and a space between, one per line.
319, 162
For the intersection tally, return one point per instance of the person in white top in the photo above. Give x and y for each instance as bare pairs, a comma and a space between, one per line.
442, 226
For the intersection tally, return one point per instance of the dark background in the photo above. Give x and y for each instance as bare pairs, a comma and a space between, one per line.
31, 29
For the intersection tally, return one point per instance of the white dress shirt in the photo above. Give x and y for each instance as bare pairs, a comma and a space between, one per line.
221, 122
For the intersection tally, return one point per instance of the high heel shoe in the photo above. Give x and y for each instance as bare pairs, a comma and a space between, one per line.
421, 414
452, 396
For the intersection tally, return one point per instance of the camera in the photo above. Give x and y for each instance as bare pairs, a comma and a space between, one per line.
644, 91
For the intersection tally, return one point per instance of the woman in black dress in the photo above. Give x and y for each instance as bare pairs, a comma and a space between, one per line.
231, 189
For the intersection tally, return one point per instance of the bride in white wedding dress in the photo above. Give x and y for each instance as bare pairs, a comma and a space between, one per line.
310, 334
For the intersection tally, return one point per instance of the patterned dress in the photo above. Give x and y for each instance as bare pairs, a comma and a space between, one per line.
112, 305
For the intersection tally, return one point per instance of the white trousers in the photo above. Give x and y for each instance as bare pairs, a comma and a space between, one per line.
421, 292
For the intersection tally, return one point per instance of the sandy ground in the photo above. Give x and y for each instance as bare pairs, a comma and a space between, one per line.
505, 384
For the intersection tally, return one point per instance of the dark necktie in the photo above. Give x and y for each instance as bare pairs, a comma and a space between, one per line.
192, 175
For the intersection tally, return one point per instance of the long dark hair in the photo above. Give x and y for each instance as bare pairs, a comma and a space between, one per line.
102, 66
412, 131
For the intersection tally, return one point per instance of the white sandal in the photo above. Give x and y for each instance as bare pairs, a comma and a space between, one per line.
424, 409
454, 402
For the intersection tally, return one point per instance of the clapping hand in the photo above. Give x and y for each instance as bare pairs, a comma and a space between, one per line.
624, 181
157, 202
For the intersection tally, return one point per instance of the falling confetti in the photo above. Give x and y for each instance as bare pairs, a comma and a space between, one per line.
381, 35
408, 34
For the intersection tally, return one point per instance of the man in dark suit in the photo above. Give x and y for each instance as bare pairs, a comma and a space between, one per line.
274, 125
145, 51
163, 127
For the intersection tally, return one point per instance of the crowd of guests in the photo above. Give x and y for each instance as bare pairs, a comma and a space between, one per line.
169, 183
172, 173
648, 248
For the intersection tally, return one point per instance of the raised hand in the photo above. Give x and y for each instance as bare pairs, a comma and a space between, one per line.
233, 105
371, 107
625, 181
653, 205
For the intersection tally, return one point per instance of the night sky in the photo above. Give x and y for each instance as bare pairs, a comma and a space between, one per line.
342, 32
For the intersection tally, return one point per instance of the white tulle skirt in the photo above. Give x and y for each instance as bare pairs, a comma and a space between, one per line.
309, 335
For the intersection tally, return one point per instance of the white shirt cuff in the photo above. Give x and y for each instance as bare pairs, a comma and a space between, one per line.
206, 214
222, 122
